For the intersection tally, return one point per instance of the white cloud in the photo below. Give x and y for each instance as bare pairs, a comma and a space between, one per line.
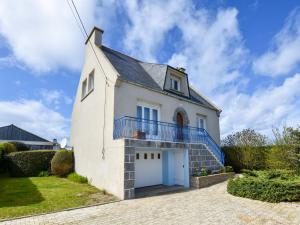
284, 56
43, 34
35, 117
55, 98
271, 106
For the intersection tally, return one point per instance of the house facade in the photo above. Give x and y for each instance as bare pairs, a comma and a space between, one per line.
137, 124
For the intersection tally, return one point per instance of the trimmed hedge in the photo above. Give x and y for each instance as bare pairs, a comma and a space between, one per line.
29, 163
62, 163
269, 186
253, 158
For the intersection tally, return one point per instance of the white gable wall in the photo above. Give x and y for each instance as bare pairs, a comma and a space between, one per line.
87, 129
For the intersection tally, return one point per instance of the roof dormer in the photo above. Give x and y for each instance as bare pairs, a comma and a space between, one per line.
177, 81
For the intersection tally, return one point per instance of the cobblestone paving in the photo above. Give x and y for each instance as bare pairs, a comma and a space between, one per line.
204, 206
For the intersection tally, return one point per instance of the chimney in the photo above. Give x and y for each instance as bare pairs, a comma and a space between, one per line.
95, 36
181, 69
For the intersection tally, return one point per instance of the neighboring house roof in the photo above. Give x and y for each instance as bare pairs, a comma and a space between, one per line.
150, 75
14, 133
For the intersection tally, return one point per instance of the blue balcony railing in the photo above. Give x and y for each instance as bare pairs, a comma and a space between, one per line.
132, 127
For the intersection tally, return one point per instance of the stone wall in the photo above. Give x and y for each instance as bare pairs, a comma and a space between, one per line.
199, 157
205, 181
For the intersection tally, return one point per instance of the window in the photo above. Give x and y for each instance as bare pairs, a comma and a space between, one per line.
137, 155
84, 90
145, 155
152, 155
91, 81
175, 83
148, 116
158, 155
201, 122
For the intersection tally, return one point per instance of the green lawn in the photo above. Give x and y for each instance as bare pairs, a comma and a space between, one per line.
34, 195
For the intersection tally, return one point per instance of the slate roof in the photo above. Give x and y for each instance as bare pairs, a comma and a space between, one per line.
14, 133
150, 75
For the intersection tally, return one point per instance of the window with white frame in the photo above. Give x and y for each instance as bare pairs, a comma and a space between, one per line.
84, 88
175, 83
201, 121
91, 81
149, 115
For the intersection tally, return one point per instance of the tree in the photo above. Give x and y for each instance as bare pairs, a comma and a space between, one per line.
245, 138
286, 151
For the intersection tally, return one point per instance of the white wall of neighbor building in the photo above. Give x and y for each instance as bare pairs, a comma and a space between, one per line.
87, 129
127, 96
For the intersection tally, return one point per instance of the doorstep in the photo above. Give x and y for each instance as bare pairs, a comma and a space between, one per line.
157, 190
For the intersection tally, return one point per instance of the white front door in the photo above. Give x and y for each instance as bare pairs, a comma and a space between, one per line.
148, 168
179, 167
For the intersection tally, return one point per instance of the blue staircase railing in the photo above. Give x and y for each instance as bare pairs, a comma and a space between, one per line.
132, 127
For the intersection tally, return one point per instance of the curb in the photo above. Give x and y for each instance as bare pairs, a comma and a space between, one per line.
58, 211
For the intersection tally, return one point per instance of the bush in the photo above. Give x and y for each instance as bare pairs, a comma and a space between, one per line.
1, 158
62, 163
9, 148
246, 157
228, 169
270, 186
203, 172
29, 163
43, 174
77, 178
21, 147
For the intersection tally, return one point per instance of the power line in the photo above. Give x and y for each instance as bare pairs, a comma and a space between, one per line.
86, 35
106, 79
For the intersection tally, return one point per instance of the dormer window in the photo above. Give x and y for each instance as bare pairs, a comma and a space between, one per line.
175, 83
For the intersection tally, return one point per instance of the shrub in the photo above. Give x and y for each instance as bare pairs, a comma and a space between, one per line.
29, 163
1, 158
77, 178
9, 148
43, 174
267, 186
20, 146
62, 163
203, 172
228, 169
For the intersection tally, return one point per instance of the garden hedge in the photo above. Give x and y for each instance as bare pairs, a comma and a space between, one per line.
29, 163
62, 163
270, 186
246, 157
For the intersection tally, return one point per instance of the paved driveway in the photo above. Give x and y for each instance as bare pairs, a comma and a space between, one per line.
205, 206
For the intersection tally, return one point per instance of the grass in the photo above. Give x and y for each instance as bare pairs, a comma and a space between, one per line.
77, 178
35, 195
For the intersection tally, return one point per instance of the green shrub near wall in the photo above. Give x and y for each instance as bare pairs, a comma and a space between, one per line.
62, 163
20, 147
29, 163
270, 186
246, 157
1, 158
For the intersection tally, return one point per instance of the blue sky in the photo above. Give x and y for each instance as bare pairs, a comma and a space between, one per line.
243, 55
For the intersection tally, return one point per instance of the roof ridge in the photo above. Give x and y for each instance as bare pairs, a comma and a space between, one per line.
12, 125
121, 53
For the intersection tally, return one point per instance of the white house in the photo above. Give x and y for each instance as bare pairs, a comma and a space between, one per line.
137, 124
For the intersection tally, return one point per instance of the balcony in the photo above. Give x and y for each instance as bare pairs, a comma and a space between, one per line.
136, 128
